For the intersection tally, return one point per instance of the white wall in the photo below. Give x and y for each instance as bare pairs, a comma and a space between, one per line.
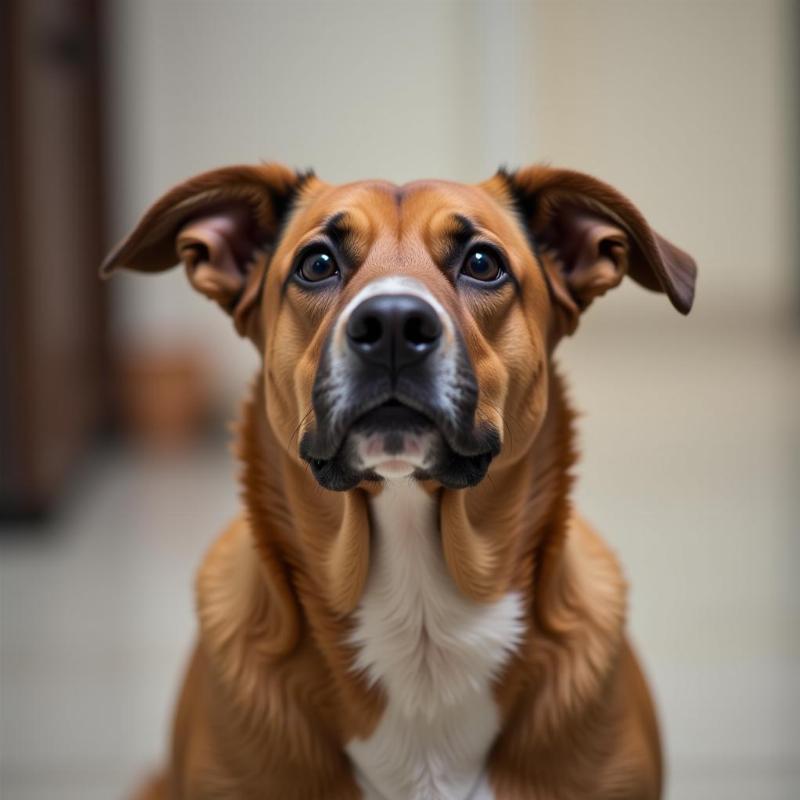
685, 106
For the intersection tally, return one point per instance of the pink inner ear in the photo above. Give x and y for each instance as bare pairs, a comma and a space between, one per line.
215, 250
593, 255
584, 237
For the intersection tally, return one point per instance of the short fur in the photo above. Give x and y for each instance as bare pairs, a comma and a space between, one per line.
406, 639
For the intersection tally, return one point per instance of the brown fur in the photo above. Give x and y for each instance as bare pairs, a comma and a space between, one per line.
270, 698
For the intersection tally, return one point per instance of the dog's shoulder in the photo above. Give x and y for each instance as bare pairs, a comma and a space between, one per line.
227, 579
245, 606
595, 562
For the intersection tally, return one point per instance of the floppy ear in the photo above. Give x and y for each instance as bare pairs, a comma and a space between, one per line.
588, 237
222, 225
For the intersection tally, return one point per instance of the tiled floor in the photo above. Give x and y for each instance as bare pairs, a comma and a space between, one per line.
691, 469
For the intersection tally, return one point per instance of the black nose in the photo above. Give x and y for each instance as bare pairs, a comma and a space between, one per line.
393, 330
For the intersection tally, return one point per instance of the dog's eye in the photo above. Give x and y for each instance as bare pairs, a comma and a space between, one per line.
482, 264
317, 266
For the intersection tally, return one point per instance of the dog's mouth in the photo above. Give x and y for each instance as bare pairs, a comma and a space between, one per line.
392, 440
392, 437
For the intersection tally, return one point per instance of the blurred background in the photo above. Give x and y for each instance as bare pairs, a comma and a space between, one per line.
114, 469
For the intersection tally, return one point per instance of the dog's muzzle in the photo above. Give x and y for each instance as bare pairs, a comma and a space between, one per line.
395, 395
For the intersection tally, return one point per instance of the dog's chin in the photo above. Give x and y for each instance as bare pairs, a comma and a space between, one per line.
394, 441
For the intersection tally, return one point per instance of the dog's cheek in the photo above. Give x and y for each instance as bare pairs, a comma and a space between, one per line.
303, 378
490, 372
288, 376
523, 351
492, 376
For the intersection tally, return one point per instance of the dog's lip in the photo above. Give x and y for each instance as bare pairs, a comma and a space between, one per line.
387, 399
395, 411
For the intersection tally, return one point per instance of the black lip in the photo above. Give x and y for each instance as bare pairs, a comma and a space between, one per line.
393, 416
453, 469
325, 441
450, 469
323, 446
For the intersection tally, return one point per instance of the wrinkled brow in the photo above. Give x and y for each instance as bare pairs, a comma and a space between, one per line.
343, 231
450, 237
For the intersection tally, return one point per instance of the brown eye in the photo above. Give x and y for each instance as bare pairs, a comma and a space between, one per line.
317, 267
482, 264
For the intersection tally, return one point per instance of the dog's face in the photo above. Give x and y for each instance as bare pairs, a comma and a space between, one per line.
401, 318
404, 330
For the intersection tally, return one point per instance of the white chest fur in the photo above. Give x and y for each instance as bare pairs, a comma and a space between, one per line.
434, 652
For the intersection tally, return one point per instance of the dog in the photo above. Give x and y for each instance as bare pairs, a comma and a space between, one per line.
408, 605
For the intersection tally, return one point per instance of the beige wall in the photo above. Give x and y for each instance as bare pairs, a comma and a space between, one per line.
689, 107
682, 105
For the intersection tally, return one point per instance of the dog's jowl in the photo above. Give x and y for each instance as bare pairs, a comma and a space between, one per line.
408, 605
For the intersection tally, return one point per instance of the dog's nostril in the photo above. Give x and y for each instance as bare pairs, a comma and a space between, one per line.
421, 329
365, 330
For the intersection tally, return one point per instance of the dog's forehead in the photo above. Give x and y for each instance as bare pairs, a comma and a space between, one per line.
422, 206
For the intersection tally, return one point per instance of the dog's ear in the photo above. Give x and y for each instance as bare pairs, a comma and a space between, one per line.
588, 237
223, 226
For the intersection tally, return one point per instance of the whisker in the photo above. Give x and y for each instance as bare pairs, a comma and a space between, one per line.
299, 425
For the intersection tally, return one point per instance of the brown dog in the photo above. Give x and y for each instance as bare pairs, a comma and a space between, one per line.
408, 606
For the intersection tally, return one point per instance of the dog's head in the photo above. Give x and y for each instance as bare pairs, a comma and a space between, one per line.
402, 328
